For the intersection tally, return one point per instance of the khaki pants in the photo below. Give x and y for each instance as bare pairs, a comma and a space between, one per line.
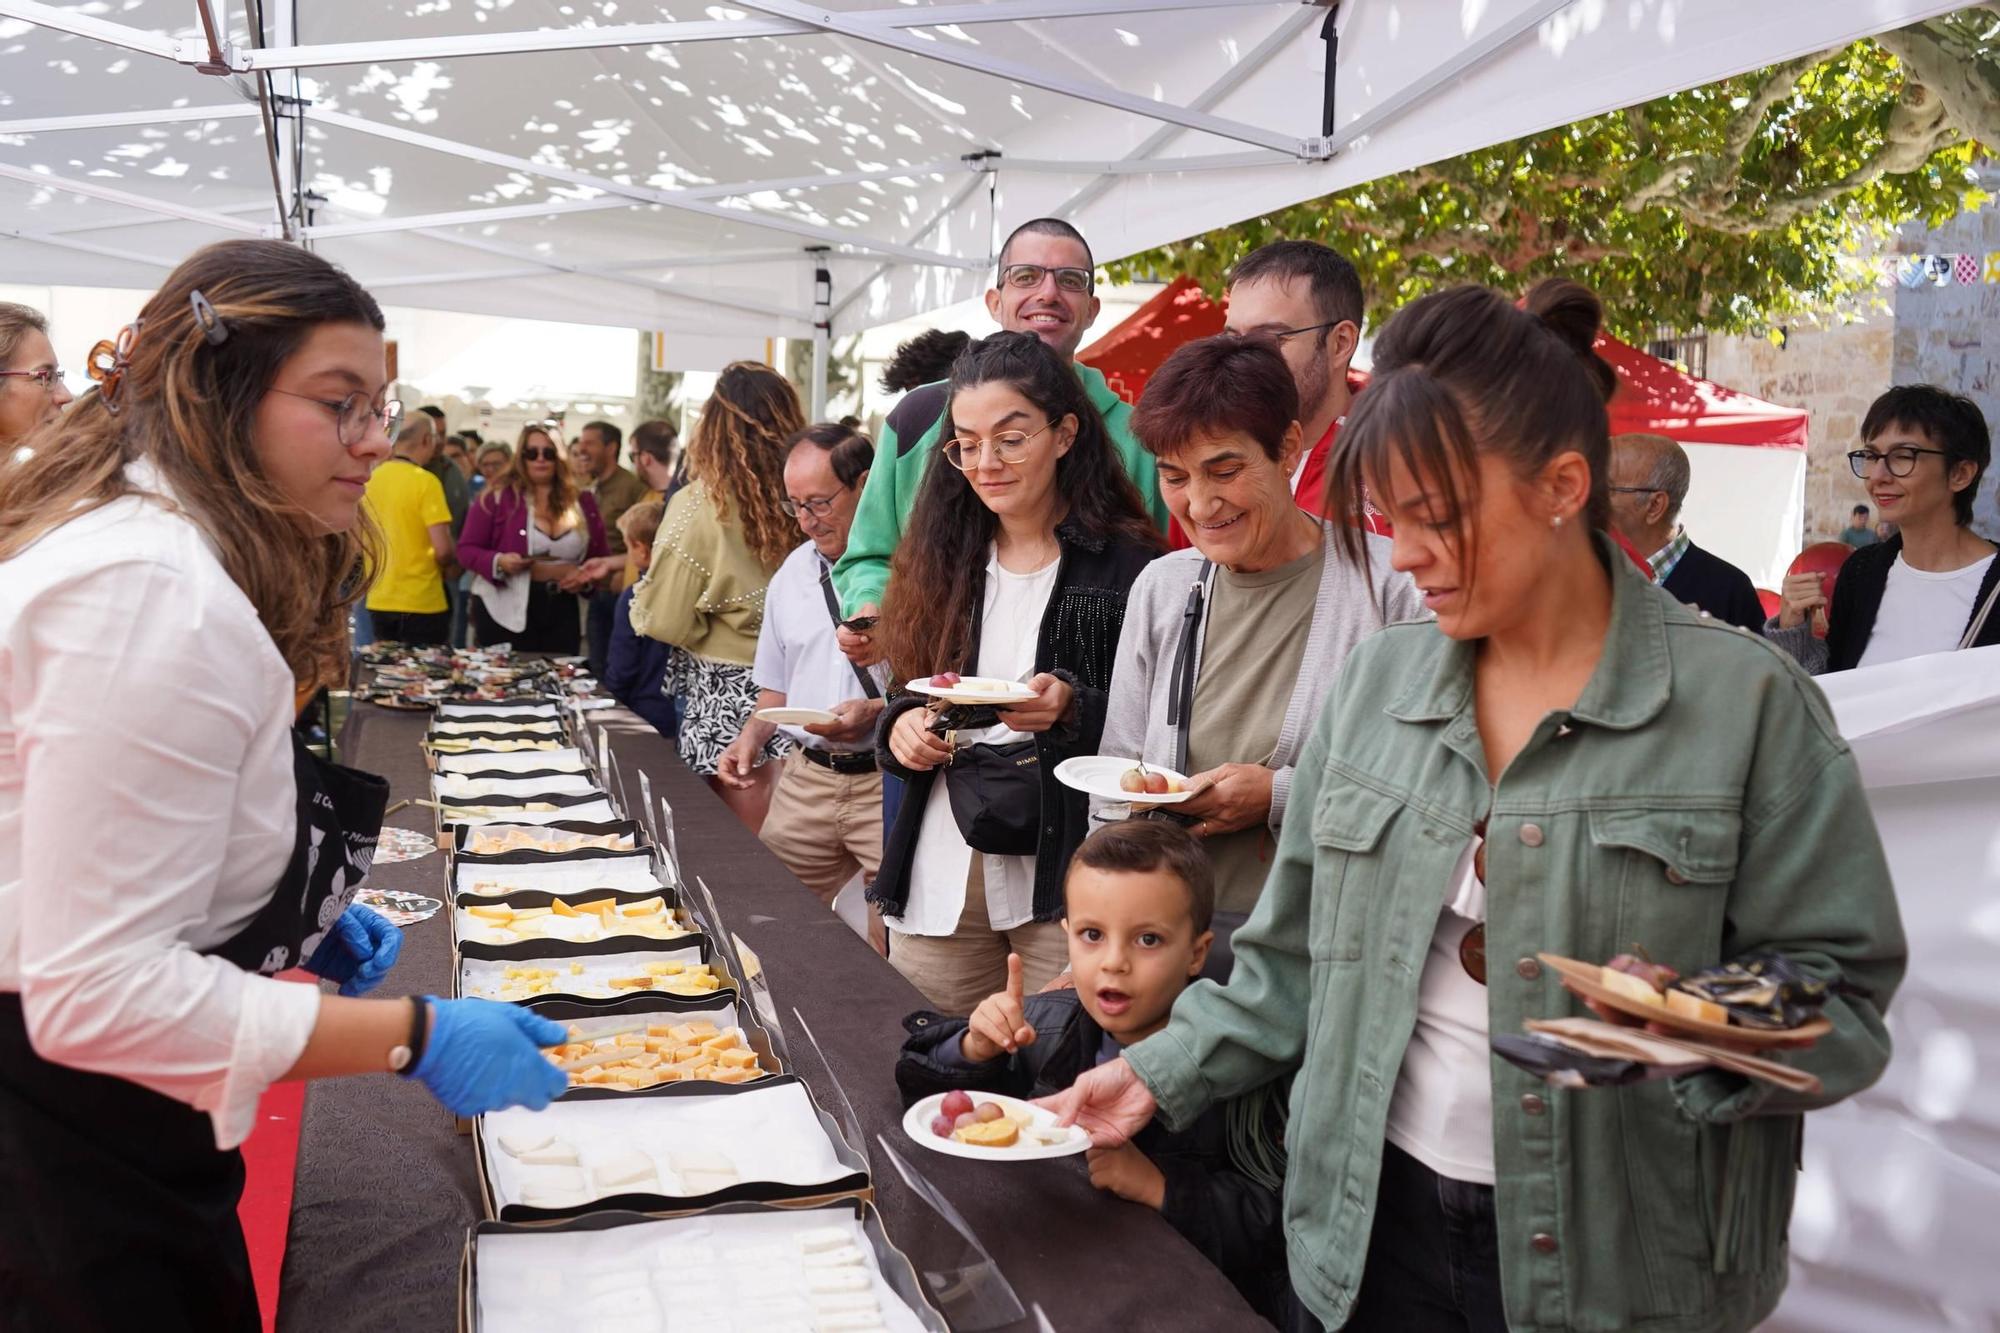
825, 825
956, 971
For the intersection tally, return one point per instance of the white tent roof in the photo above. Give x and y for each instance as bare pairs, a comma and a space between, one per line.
667, 165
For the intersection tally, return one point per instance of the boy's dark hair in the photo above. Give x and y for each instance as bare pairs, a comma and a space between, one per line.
1861, 509
1142, 846
1952, 422
1044, 227
1216, 386
924, 359
1335, 286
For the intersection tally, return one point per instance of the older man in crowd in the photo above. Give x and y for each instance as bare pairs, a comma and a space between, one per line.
617, 490
1649, 480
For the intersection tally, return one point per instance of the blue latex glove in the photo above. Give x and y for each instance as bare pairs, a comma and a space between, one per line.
358, 952
486, 1056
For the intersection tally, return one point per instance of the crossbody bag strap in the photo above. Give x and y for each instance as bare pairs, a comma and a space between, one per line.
868, 685
1978, 624
1180, 693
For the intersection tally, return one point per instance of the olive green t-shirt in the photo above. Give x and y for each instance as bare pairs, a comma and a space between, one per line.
1254, 641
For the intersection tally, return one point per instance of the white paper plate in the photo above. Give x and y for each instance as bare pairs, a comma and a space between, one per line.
1098, 774
973, 690
795, 717
917, 1124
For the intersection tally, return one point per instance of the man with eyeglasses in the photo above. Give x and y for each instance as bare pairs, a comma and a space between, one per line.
1933, 586
1045, 284
825, 821
1649, 477
406, 598
595, 459
1307, 298
31, 384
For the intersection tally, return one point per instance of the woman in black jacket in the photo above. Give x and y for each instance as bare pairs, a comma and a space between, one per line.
1015, 564
1933, 586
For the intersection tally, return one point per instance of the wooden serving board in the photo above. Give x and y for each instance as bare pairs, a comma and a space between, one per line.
1581, 978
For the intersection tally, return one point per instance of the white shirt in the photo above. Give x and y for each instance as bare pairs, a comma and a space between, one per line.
798, 654
1441, 1111
146, 810
1922, 612
1011, 622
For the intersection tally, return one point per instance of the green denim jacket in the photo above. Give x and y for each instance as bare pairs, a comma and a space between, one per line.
1697, 801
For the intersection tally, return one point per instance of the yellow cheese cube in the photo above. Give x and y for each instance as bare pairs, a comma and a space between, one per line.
1630, 987
1693, 1006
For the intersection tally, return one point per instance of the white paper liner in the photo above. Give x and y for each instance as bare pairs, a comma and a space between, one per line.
482, 978
487, 879
720, 1273
566, 760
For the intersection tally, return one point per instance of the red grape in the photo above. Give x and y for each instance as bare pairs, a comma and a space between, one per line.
955, 1104
990, 1112
942, 1126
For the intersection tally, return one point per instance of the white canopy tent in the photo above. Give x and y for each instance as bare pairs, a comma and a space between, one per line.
770, 167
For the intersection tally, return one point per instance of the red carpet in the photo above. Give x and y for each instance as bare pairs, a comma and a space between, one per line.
270, 1156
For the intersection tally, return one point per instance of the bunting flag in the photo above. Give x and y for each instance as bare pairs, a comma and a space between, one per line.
1965, 269
1993, 265
1911, 271
1938, 269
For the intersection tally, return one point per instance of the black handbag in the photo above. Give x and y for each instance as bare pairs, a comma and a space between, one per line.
996, 797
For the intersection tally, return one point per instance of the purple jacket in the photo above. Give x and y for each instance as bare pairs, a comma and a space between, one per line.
496, 524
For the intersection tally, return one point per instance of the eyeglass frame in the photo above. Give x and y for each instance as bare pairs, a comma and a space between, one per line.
48, 379
818, 507
1859, 461
389, 416
952, 448
1637, 490
1043, 270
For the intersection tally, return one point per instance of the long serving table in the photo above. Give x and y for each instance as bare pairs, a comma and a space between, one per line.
386, 1186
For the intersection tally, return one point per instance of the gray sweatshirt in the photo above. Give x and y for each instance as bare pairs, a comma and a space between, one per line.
1351, 606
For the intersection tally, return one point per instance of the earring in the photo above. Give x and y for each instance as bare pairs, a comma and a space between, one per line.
1556, 522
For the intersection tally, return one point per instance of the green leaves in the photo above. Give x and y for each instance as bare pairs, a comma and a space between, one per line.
1725, 207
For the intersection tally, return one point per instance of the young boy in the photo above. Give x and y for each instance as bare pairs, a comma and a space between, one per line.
635, 668
1139, 898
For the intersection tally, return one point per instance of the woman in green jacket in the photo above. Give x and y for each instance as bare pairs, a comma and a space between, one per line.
1567, 760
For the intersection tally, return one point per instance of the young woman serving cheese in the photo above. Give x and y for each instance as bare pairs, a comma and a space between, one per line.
177, 556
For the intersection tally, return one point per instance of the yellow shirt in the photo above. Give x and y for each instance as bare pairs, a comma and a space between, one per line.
404, 501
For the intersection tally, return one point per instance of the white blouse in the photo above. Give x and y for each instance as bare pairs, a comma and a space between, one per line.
146, 810
1009, 629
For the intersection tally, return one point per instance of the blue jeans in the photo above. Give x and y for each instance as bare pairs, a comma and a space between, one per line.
459, 590
597, 630
1433, 1257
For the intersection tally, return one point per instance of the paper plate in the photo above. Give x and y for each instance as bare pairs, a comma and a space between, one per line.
1098, 774
1582, 979
795, 717
973, 690
917, 1124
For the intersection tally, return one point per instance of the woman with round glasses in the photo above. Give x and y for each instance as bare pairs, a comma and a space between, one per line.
525, 540
32, 392
1015, 565
1933, 586
725, 534
175, 567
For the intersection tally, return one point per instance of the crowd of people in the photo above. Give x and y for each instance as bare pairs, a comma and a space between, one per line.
1450, 683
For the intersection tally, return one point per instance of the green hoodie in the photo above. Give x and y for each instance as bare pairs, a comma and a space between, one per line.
891, 489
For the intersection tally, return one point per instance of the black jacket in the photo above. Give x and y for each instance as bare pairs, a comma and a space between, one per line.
1077, 643
1857, 596
1709, 583
1235, 1221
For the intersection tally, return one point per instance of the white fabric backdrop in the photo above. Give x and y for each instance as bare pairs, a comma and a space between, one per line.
1897, 1228
1748, 506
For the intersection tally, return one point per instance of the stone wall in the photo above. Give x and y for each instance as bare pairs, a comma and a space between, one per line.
1833, 372
1950, 336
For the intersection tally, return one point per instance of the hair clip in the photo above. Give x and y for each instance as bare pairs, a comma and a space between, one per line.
108, 362
211, 324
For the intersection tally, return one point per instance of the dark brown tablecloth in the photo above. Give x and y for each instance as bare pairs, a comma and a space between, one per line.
386, 1188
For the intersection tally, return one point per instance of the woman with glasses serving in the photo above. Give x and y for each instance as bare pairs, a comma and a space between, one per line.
1933, 586
32, 392
526, 540
1015, 565
175, 566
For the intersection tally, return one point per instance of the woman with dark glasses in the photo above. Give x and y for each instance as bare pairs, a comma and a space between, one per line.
525, 541
1933, 586
32, 391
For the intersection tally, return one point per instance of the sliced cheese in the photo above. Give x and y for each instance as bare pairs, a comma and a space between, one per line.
1693, 1006
1629, 986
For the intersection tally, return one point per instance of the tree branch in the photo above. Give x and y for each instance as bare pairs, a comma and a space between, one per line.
1967, 90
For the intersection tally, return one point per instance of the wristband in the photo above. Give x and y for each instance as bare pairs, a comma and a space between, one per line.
419, 1034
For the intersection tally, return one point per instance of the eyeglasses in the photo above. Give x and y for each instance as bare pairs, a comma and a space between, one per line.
1010, 445
817, 508
46, 378
1027, 276
1283, 334
543, 451
354, 414
1635, 490
1902, 460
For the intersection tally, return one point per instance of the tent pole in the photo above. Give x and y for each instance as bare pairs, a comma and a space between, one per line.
822, 331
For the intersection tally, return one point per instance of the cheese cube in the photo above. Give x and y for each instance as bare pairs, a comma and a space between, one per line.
624, 1170
739, 1058
1630, 987
1693, 1006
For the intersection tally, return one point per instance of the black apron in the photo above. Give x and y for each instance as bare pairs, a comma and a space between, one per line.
117, 1211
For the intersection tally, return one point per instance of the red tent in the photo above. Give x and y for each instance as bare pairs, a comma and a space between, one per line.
1652, 395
